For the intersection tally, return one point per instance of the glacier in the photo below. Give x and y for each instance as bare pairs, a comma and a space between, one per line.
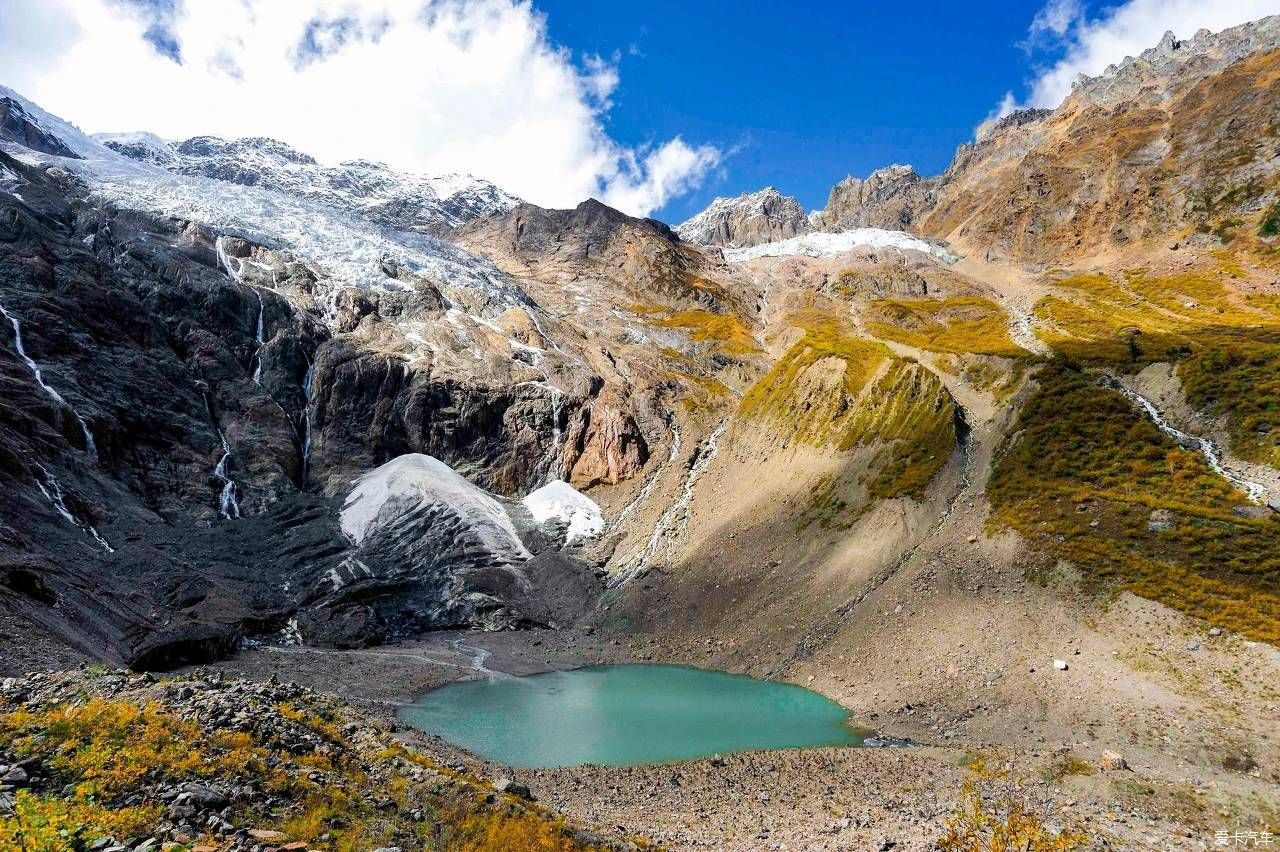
344, 247
414, 480
824, 244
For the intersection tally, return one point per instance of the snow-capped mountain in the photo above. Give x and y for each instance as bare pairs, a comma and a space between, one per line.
749, 219
401, 200
348, 240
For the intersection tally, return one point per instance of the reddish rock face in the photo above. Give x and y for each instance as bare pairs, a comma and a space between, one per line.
605, 447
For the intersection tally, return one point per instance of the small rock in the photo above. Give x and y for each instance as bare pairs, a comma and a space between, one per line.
1215, 631
1194, 646
203, 796
266, 835
1060, 665
1112, 762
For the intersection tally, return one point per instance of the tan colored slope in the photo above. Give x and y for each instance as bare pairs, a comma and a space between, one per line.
1093, 177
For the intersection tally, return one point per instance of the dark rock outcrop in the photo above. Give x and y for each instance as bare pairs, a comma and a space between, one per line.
17, 125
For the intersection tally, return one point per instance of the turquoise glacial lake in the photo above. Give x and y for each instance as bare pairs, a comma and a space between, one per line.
625, 715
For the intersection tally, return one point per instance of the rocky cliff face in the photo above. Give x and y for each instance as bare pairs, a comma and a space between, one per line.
892, 198
750, 219
183, 416
17, 126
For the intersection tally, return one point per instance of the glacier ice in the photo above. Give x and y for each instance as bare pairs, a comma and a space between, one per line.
824, 244
415, 480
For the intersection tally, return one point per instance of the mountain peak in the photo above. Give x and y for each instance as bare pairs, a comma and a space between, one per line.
753, 218
1173, 63
891, 198
18, 125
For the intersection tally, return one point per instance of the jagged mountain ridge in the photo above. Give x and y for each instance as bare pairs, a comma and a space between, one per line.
1142, 99
890, 199
1177, 142
405, 201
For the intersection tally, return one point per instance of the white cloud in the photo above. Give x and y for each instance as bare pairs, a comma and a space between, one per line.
1056, 17
1125, 30
432, 85
670, 170
1007, 105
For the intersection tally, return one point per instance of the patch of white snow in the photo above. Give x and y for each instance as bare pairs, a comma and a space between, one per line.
558, 500
822, 244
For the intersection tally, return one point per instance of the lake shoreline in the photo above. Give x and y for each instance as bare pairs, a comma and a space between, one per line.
835, 798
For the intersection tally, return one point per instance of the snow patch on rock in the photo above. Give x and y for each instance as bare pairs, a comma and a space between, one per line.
413, 481
560, 501
821, 244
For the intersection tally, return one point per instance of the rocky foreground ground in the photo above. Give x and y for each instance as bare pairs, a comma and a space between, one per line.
112, 761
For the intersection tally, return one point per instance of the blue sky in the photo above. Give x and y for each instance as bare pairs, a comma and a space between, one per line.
801, 96
652, 107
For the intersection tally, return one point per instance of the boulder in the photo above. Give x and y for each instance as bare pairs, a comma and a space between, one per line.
513, 788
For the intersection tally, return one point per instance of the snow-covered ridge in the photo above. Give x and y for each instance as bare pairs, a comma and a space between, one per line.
560, 501
413, 481
822, 244
346, 247
402, 200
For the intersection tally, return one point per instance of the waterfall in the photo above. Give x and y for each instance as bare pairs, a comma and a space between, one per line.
1212, 455
228, 506
555, 453
306, 419
52, 491
91, 446
224, 260
553, 461
260, 338
236, 274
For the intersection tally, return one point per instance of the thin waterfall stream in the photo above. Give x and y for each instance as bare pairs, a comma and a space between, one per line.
91, 446
1206, 447
52, 491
